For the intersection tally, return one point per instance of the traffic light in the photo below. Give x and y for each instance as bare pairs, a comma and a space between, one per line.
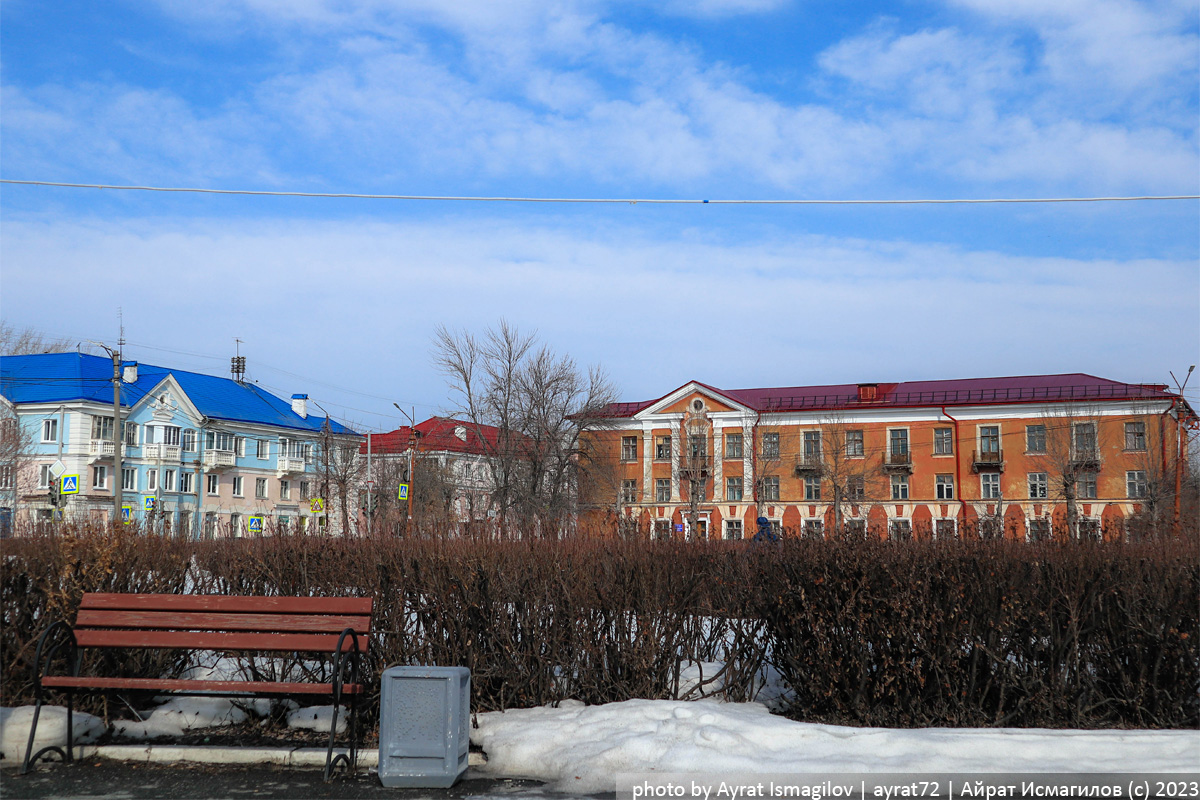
54, 495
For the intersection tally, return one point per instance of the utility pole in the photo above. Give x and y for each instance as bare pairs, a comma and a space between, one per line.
1179, 443
412, 438
118, 437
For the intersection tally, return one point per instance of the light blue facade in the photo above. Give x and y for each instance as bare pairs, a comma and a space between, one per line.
212, 455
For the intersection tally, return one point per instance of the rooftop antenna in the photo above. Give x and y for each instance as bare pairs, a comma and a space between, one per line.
238, 362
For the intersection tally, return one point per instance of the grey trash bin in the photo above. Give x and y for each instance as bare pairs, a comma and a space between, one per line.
424, 726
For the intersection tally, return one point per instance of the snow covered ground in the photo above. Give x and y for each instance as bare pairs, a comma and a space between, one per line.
582, 749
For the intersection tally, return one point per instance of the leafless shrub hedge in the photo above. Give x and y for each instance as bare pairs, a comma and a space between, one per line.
864, 632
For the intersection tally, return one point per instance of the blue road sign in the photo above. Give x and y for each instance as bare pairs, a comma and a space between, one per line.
69, 485
255, 524
403, 494
148, 504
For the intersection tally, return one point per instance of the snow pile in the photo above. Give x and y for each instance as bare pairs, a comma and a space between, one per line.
579, 748
52, 730
699, 679
317, 718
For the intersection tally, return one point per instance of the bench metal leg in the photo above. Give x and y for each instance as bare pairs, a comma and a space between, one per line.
31, 757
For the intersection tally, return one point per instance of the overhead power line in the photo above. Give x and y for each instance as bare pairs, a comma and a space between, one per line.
627, 200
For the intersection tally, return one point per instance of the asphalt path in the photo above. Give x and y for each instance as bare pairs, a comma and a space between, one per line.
100, 779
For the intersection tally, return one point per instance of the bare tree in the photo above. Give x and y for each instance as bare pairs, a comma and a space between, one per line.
603, 483
30, 341
16, 457
695, 467
338, 471
1074, 439
540, 403
840, 457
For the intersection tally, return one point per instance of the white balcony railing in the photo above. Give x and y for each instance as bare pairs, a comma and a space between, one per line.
102, 448
161, 452
290, 465
218, 459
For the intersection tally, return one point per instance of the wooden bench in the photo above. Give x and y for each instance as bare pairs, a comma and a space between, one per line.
337, 627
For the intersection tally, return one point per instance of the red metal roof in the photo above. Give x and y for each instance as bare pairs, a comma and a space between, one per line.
437, 434
1070, 387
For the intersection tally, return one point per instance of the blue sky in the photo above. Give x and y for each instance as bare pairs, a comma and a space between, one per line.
732, 99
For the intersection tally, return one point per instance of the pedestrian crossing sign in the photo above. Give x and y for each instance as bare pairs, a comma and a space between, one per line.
403, 493
255, 524
316, 505
69, 484
148, 504
127, 514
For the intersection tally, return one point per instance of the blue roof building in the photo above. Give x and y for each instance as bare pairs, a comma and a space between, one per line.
201, 455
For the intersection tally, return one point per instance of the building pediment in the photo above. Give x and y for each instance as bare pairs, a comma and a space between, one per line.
692, 398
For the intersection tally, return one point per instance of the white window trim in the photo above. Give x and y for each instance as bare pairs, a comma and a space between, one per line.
937, 486
132, 471
983, 481
48, 423
174, 482
953, 524
262, 449
888, 443
100, 470
210, 480
239, 486
151, 480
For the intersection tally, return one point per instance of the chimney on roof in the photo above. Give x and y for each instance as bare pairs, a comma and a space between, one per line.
300, 405
868, 391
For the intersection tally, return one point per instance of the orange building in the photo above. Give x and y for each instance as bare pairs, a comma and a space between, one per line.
1024, 457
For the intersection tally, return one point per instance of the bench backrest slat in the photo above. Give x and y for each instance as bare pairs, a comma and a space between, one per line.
214, 602
221, 621
192, 640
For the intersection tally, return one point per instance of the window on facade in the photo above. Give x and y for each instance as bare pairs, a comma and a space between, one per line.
855, 528
260, 488
1035, 438
168, 480
733, 445
662, 448
1136, 485
814, 529
1083, 439
662, 490
989, 486
1039, 485
812, 488
1089, 529
187, 440
899, 530
733, 489
943, 441
214, 484
216, 440
49, 430
854, 444
262, 449
812, 445
1135, 436
1039, 529
44, 476
898, 441
102, 428
899, 487
128, 479
856, 488
944, 485
171, 435
629, 491
770, 445
151, 480
130, 430
283, 523
698, 446
304, 495
186, 482
239, 446
1085, 487
7, 479
99, 477
733, 529
770, 488
235, 524
237, 485
989, 439
285, 490
629, 448
945, 529
662, 529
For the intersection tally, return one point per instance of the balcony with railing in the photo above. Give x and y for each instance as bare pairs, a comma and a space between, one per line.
289, 466
809, 464
696, 465
161, 452
102, 448
1085, 459
219, 459
897, 461
987, 460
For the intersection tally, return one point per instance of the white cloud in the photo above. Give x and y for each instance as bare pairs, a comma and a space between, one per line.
361, 299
